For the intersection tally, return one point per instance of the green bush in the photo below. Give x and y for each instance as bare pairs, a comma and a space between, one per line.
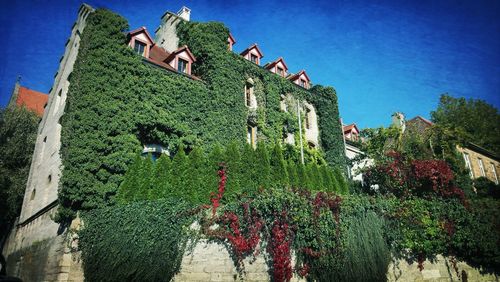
141, 241
193, 177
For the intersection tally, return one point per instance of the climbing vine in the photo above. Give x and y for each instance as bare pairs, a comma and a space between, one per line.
117, 103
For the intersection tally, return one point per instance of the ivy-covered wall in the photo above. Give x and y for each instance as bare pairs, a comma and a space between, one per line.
116, 103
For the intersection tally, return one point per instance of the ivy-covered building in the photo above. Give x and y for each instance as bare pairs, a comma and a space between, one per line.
120, 91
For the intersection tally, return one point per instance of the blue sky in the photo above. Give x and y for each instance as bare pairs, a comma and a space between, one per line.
381, 56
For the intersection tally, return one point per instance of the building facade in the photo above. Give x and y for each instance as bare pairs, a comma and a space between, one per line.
36, 235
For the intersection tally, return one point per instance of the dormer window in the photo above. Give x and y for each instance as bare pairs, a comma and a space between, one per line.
278, 67
301, 79
281, 72
254, 59
139, 47
140, 40
182, 66
252, 54
181, 60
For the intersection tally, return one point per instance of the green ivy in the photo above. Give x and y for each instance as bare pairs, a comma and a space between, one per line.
119, 244
117, 102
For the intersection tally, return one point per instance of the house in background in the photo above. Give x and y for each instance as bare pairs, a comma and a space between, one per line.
33, 100
352, 151
480, 161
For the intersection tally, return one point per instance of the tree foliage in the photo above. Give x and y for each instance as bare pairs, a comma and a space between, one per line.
18, 128
193, 177
476, 120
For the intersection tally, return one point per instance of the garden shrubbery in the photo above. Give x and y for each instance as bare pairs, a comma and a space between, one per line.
193, 176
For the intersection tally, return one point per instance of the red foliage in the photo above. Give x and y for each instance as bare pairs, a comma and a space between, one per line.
279, 249
242, 244
215, 198
436, 176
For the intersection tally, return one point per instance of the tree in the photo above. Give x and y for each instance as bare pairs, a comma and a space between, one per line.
478, 120
18, 128
180, 166
161, 183
198, 170
263, 165
132, 180
233, 170
279, 175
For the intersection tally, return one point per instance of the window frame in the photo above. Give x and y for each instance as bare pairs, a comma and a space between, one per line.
468, 164
481, 167
252, 56
142, 44
280, 71
493, 168
182, 62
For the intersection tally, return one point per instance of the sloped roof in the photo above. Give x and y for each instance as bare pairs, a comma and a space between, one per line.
422, 119
272, 64
181, 49
32, 100
139, 30
296, 76
253, 46
349, 127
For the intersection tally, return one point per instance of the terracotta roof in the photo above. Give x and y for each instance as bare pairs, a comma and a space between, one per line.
272, 64
158, 56
33, 100
296, 76
422, 119
250, 48
350, 127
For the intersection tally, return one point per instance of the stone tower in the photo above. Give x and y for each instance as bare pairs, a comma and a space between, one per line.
36, 249
166, 34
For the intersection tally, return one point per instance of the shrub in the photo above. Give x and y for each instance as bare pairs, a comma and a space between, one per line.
140, 241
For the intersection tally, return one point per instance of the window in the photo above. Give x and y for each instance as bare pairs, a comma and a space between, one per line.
302, 83
139, 47
308, 119
33, 193
468, 164
182, 65
481, 167
248, 96
492, 165
49, 179
311, 145
254, 58
155, 151
281, 71
251, 135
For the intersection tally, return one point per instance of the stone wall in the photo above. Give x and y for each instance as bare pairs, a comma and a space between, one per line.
491, 166
211, 262
38, 252
440, 269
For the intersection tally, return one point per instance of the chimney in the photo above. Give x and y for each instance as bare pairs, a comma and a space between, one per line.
398, 120
184, 13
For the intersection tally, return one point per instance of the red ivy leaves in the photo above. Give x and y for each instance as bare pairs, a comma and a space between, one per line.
215, 198
279, 249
